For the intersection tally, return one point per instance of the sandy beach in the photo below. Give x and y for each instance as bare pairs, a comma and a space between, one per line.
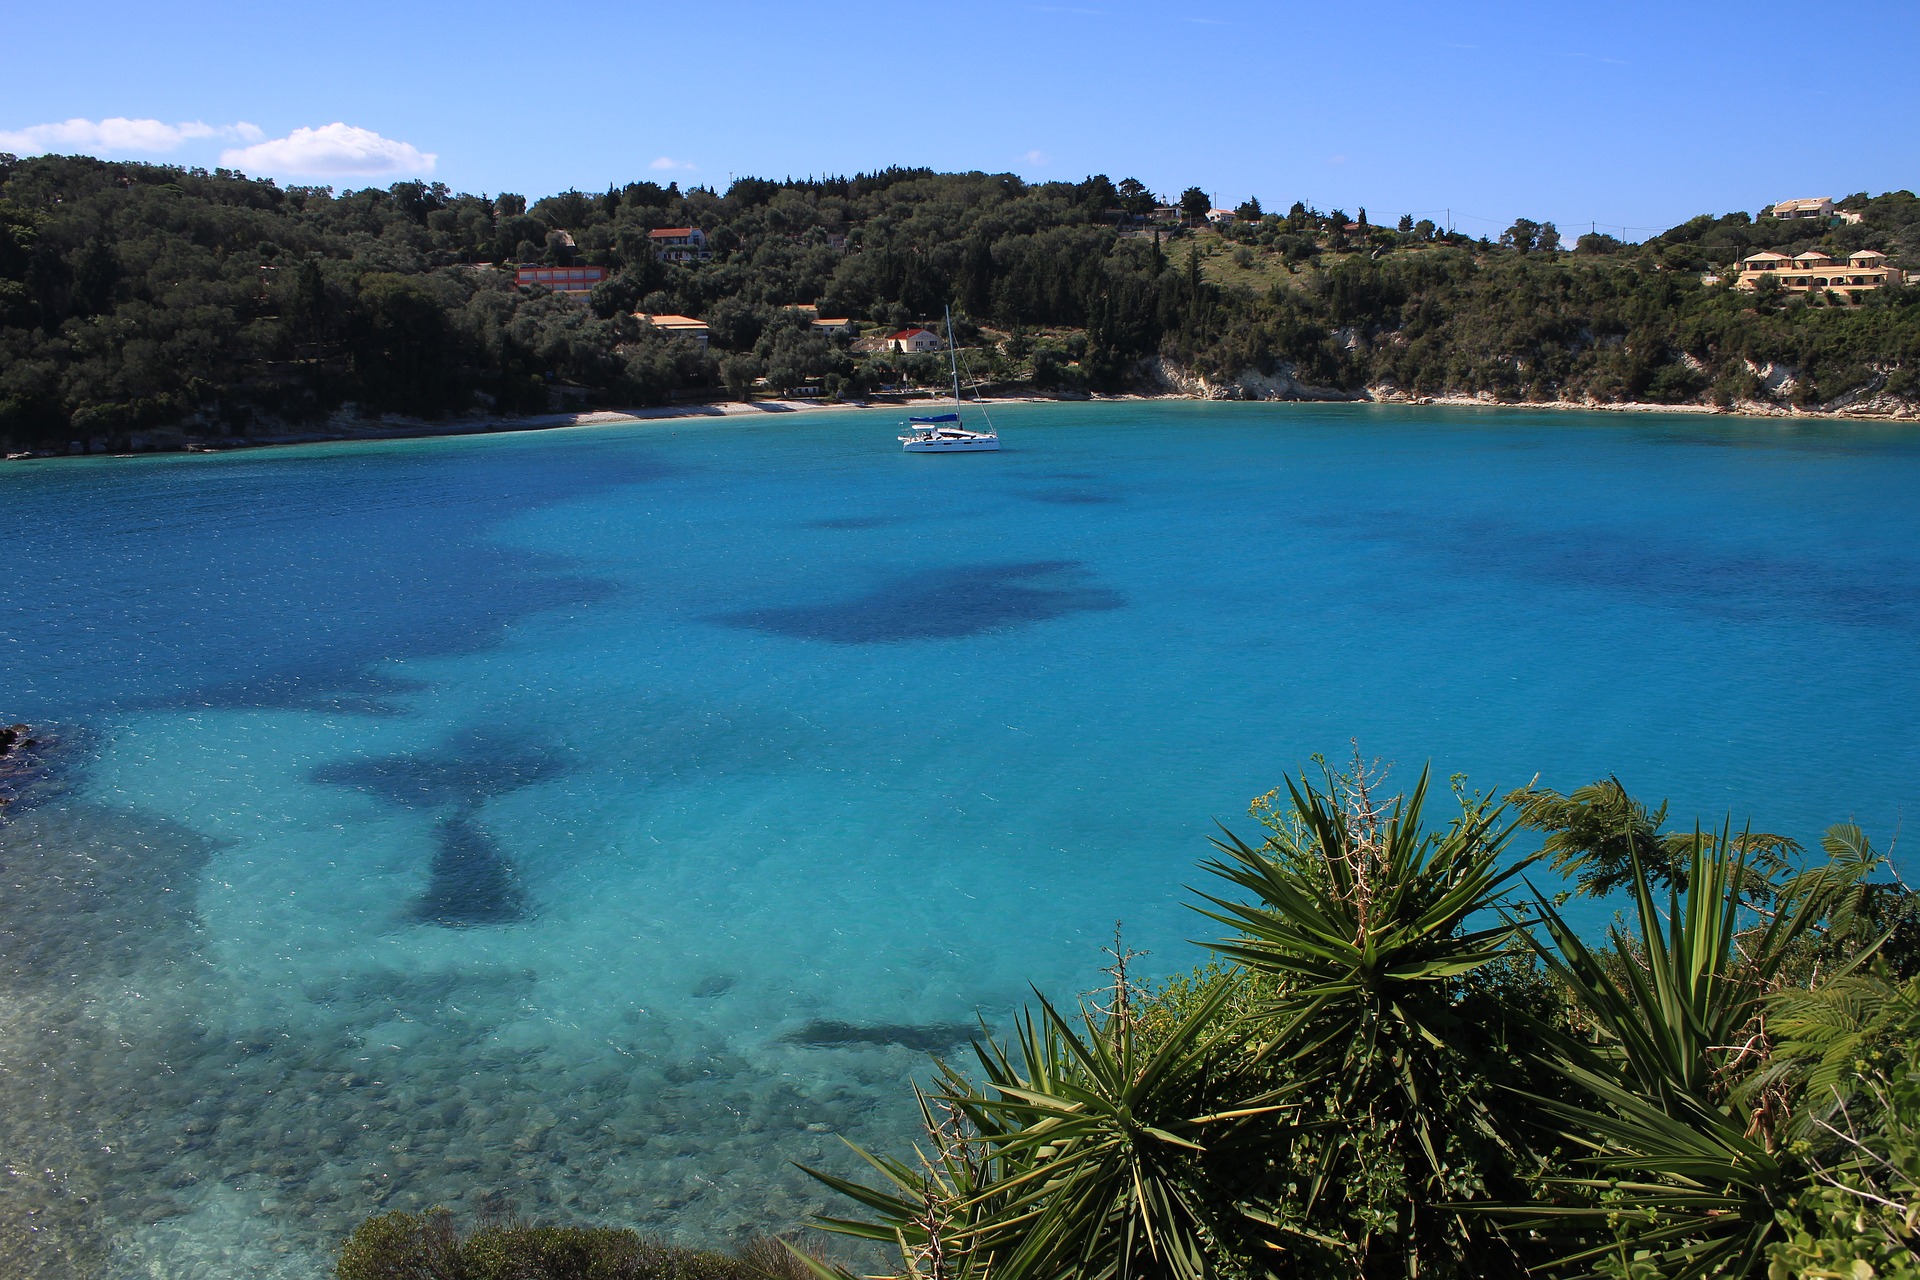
393, 427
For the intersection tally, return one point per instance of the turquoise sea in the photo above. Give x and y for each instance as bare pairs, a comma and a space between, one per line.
603, 819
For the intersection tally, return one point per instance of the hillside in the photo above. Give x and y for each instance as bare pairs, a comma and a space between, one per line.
139, 299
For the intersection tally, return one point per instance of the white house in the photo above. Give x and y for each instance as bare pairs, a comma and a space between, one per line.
914, 341
1811, 207
679, 244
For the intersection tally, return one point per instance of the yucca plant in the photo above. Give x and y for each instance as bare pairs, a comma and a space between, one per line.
1369, 927
1687, 1167
1077, 1154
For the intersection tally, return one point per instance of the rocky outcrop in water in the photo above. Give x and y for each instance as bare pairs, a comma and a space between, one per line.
21, 762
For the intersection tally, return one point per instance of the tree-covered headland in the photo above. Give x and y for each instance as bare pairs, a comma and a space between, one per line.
139, 298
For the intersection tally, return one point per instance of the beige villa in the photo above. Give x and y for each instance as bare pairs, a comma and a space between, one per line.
1812, 270
1817, 207
678, 327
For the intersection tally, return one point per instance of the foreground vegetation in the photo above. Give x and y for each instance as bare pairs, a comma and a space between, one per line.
138, 297
1405, 1062
428, 1246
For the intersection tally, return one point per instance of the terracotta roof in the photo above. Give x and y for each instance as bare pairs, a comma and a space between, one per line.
665, 233
1766, 255
671, 322
909, 333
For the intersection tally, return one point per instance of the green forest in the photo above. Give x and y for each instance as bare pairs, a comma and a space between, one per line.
1403, 1062
140, 300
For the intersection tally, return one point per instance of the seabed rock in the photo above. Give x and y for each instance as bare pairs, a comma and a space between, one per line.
21, 761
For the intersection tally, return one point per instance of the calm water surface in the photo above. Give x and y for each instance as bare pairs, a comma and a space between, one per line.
608, 818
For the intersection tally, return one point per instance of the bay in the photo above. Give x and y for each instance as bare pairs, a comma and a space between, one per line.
603, 819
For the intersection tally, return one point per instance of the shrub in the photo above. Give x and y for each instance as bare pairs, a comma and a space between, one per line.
427, 1246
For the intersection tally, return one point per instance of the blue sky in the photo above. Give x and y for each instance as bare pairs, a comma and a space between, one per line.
1633, 115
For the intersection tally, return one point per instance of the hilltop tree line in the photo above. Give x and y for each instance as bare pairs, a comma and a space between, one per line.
134, 296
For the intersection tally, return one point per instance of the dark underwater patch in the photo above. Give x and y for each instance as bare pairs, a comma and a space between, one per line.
276, 581
940, 604
462, 770
1667, 569
339, 693
1071, 497
926, 1037
87, 889
855, 522
471, 881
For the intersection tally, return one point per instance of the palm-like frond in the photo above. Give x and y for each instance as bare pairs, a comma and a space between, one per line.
1368, 924
1692, 1183
1365, 952
1078, 1156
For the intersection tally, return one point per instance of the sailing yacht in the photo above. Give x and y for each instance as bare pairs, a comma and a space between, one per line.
943, 432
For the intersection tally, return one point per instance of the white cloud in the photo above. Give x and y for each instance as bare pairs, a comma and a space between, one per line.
668, 162
342, 149
117, 133
1036, 157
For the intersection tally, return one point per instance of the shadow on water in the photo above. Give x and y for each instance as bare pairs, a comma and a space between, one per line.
341, 692
461, 771
939, 604
471, 882
930, 1037
1071, 497
276, 581
855, 522
1666, 570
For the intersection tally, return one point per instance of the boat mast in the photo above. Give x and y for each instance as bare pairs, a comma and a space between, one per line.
953, 357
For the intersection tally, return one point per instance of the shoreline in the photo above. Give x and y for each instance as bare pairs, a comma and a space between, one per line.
398, 428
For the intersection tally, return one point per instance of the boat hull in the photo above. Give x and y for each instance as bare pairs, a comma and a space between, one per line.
988, 445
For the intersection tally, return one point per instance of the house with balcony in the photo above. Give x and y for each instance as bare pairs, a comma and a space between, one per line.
687, 327
1814, 208
1819, 207
561, 279
1812, 271
679, 244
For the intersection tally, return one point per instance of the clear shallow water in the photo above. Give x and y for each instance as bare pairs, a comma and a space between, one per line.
607, 818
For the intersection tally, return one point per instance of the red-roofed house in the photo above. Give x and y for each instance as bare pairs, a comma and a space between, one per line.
679, 244
914, 341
